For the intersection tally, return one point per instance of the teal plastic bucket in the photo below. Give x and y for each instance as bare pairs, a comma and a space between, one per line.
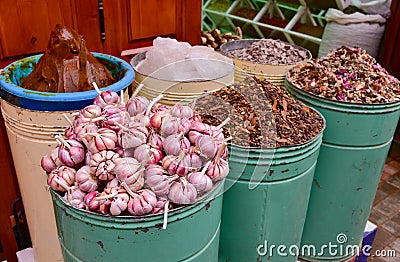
12, 75
352, 156
192, 233
273, 213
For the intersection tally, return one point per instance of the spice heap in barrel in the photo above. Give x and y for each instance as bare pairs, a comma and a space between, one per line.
270, 51
349, 75
262, 115
136, 159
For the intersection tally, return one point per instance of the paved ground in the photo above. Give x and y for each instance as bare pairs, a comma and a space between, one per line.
386, 209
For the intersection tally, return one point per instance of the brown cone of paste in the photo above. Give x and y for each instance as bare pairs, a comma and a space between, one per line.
67, 66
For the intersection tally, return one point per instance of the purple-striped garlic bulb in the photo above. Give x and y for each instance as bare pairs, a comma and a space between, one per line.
88, 157
201, 127
157, 180
91, 203
48, 163
194, 135
90, 112
114, 116
69, 133
155, 139
103, 163
182, 192
103, 139
51, 162
200, 180
130, 173
119, 204
170, 125
154, 169
193, 160
70, 152
206, 146
175, 143
83, 128
117, 199
124, 152
160, 205
159, 107
56, 159
105, 98
137, 105
75, 196
144, 118
102, 201
61, 178
198, 129
132, 136
142, 202
150, 154
85, 180
181, 111
176, 164
113, 183
157, 119
185, 125
219, 167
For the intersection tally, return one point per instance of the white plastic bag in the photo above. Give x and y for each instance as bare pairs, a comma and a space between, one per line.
381, 7
352, 30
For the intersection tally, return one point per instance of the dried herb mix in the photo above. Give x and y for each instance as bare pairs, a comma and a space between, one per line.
262, 115
271, 51
348, 75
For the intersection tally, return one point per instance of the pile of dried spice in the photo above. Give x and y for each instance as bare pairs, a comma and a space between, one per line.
348, 75
262, 115
271, 51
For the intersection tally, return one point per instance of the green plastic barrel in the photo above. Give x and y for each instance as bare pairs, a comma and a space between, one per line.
274, 210
352, 156
192, 233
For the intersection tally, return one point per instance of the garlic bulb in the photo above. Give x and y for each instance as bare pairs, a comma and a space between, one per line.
174, 144
182, 192
137, 105
61, 178
106, 98
85, 180
102, 164
131, 172
142, 203
70, 152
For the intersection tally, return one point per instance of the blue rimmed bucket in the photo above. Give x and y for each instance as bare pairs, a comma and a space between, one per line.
14, 73
32, 119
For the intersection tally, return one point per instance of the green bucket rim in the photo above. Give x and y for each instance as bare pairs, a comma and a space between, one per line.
150, 220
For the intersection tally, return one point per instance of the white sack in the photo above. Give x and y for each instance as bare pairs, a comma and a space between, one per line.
352, 30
